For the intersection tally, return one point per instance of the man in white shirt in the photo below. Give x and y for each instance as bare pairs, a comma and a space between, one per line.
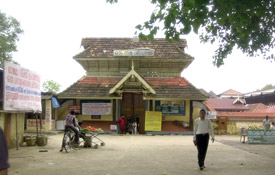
201, 136
266, 123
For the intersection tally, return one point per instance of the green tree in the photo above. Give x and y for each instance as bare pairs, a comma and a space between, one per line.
51, 86
248, 25
9, 34
268, 86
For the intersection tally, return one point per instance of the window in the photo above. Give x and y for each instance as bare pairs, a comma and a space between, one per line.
171, 107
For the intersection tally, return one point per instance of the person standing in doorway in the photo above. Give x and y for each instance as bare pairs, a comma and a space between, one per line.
4, 164
121, 123
201, 136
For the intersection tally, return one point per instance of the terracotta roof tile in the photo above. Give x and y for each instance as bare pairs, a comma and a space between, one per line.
177, 87
225, 104
246, 114
270, 110
178, 81
104, 47
257, 107
231, 92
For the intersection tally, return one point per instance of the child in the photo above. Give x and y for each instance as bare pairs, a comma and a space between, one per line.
134, 127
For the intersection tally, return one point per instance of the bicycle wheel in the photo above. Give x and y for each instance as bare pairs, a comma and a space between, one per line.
81, 140
67, 142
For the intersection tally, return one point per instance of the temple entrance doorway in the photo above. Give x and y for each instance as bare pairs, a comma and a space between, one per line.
133, 107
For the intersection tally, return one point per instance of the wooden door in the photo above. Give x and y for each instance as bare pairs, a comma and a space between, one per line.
222, 123
139, 111
127, 106
133, 106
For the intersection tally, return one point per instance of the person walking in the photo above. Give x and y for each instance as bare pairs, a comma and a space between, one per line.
4, 164
201, 136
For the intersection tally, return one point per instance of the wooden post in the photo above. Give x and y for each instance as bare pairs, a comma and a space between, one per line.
16, 134
36, 124
8, 129
40, 117
191, 115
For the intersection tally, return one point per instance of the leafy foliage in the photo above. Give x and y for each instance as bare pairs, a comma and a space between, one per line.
248, 25
51, 86
268, 86
9, 34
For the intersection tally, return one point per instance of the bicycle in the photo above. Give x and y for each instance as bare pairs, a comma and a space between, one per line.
68, 141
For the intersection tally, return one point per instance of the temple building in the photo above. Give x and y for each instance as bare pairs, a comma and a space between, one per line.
128, 76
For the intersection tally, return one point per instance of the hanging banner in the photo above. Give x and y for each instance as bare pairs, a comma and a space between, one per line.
96, 108
21, 89
153, 121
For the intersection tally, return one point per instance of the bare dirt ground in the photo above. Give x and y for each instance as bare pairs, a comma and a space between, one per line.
144, 155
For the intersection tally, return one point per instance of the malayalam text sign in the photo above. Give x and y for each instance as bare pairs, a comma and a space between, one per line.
21, 89
96, 108
261, 136
134, 52
153, 120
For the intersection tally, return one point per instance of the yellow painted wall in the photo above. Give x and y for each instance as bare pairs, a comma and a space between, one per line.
20, 127
233, 127
196, 113
63, 111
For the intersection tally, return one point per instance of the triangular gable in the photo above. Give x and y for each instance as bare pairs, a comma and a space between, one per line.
231, 92
135, 74
238, 101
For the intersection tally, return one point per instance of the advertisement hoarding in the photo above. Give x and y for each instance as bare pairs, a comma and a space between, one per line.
21, 89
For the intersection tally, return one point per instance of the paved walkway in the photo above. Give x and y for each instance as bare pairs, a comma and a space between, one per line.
144, 155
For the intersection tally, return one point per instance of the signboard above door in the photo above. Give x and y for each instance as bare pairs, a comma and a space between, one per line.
135, 52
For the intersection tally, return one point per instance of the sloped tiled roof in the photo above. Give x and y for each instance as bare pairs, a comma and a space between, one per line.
257, 107
270, 110
246, 114
104, 47
205, 93
225, 104
231, 92
257, 110
89, 87
177, 87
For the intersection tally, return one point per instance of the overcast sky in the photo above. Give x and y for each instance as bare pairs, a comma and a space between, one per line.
53, 30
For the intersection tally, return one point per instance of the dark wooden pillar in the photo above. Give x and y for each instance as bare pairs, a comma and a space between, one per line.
191, 115
8, 129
